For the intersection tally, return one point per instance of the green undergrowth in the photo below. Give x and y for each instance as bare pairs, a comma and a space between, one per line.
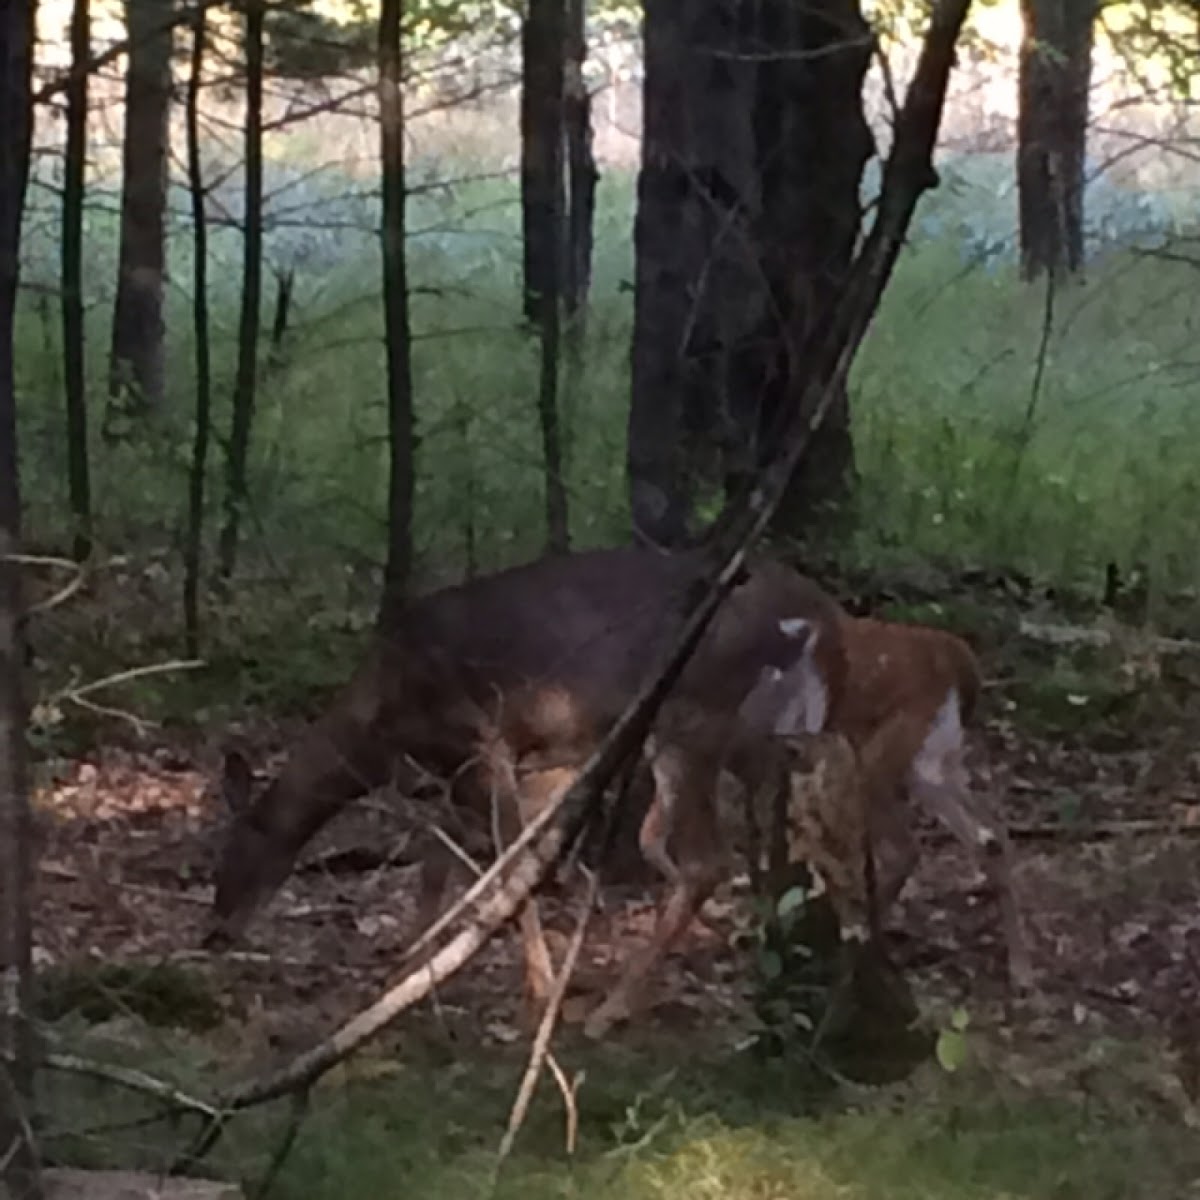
980, 442
658, 1124
162, 994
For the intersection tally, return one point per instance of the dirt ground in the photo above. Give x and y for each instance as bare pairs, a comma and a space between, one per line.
1108, 871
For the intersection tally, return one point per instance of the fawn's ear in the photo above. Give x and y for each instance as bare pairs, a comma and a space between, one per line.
237, 782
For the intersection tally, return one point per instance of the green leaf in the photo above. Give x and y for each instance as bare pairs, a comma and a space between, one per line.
951, 1049
770, 964
791, 900
960, 1019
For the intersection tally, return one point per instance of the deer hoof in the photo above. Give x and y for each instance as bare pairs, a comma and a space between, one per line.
612, 1012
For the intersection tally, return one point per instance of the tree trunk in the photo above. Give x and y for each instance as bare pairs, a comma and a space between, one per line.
811, 144
753, 147
199, 466
1054, 77
543, 46
78, 474
247, 361
581, 169
136, 368
698, 282
395, 300
19, 1169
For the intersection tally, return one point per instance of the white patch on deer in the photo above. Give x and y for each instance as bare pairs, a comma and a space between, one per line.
793, 627
945, 738
808, 704
937, 771
789, 702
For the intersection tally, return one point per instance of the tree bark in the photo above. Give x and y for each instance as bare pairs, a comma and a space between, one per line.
543, 203
20, 1167
203, 420
78, 474
696, 279
753, 147
395, 298
581, 170
136, 368
1054, 77
246, 379
811, 145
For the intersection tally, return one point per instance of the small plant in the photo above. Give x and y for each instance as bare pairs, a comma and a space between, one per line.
951, 1046
163, 994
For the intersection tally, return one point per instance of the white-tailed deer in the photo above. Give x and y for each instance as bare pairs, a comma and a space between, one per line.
527, 669
910, 691
894, 740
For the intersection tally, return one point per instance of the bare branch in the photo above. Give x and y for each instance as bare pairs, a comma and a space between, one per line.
540, 1051
132, 1080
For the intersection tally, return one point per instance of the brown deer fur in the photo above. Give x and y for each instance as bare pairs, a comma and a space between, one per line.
533, 665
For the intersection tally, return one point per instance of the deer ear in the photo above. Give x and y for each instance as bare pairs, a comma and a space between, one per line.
237, 782
805, 706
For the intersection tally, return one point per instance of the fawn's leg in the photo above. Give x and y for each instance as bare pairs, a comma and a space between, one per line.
938, 780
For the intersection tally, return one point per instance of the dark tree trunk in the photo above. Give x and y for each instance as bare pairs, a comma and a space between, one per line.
812, 143
78, 476
19, 1172
199, 466
285, 282
695, 274
753, 147
542, 46
395, 300
543, 203
581, 169
136, 368
1054, 77
247, 361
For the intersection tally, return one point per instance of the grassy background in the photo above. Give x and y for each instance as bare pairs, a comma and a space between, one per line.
958, 460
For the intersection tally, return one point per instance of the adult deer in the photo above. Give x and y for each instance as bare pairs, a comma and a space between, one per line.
530, 667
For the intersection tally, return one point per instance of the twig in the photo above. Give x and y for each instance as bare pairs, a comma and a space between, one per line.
131, 1080
141, 725
541, 1042
77, 571
79, 695
177, 664
299, 1111
1098, 831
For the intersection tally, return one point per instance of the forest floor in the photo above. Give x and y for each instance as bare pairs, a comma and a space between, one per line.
1088, 1088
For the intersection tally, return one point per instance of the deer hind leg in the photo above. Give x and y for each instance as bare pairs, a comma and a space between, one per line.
683, 811
939, 782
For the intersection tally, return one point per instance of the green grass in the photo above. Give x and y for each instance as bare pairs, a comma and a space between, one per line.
655, 1124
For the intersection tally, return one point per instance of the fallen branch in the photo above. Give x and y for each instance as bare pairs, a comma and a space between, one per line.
131, 1079
76, 571
541, 1042
1098, 637
1098, 831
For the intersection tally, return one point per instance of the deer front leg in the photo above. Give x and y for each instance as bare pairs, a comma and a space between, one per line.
684, 806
